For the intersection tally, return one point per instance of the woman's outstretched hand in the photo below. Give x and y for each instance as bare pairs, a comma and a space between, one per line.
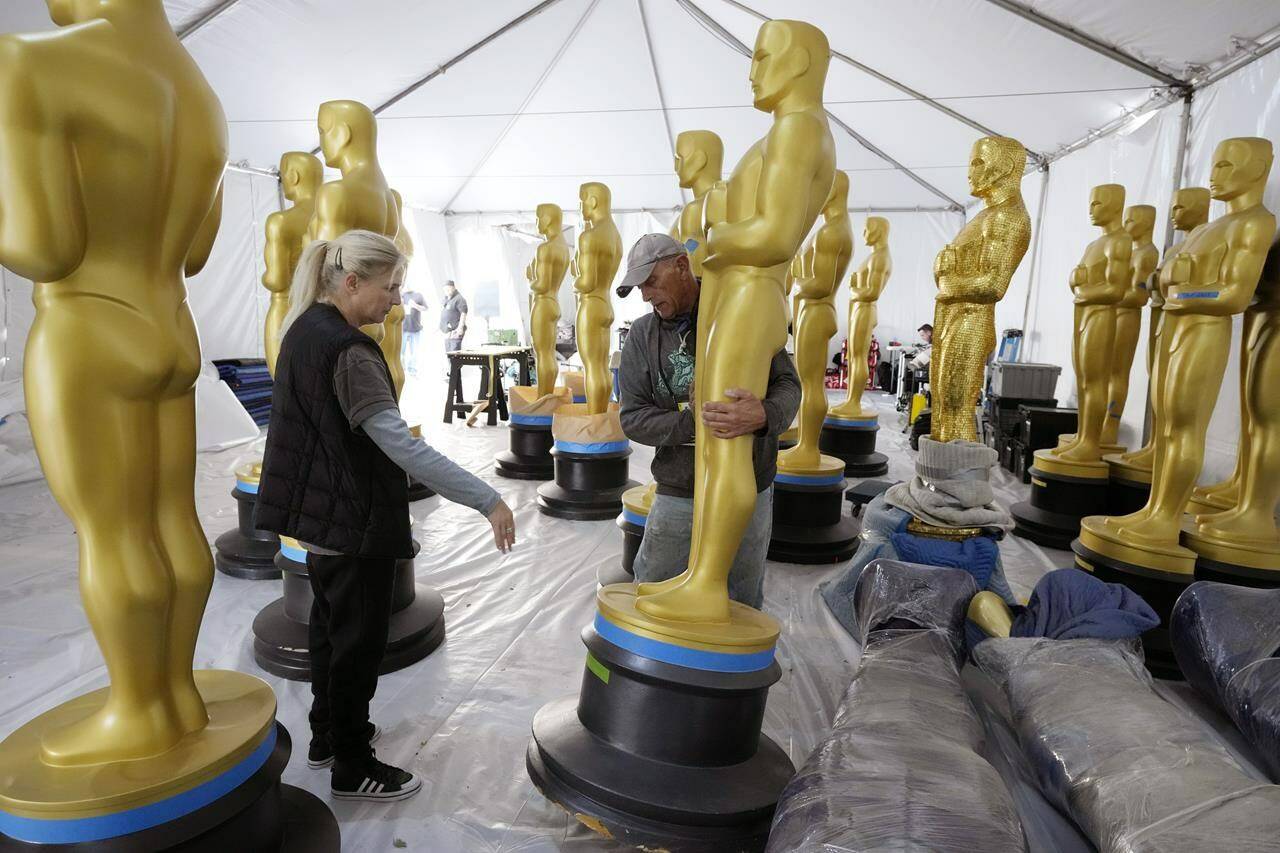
504, 526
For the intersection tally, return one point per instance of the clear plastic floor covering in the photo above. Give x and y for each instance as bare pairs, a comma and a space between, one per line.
461, 717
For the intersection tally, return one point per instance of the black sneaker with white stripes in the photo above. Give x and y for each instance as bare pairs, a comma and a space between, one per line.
372, 780
321, 754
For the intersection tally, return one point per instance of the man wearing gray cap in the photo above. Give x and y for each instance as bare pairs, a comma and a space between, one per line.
656, 385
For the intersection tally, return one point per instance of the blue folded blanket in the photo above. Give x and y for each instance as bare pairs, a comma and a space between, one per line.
1070, 604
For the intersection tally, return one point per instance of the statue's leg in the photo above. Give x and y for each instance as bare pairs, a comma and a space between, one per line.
1128, 327
811, 360
1095, 345
544, 345
862, 319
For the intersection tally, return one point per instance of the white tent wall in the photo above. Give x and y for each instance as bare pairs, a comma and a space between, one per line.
18, 313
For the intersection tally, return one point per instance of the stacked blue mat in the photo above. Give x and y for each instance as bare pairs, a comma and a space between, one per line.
250, 381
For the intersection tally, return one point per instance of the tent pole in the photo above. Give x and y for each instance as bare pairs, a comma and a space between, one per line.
191, 28
657, 80
1035, 249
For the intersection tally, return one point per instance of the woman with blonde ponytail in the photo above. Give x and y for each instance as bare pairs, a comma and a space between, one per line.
333, 477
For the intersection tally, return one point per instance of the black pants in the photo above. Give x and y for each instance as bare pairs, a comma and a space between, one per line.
348, 637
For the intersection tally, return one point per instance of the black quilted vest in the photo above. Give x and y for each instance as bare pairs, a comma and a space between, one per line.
322, 482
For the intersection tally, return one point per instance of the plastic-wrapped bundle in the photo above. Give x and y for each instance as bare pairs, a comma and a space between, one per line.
1137, 774
1227, 641
901, 768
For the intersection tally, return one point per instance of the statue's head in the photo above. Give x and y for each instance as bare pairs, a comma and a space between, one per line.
1106, 203
1140, 221
995, 162
838, 198
593, 198
1190, 208
876, 230
550, 217
344, 124
299, 170
698, 152
1239, 165
789, 57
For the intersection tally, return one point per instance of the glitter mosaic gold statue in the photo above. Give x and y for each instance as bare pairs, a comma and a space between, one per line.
594, 266
1210, 280
865, 288
1190, 210
699, 160
87, 114
545, 273
773, 198
1139, 220
972, 273
286, 237
823, 262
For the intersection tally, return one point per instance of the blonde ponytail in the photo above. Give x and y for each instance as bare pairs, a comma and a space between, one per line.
325, 263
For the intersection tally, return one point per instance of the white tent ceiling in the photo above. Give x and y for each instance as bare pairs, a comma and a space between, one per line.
594, 89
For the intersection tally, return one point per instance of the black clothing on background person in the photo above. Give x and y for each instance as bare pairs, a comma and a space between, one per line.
350, 615
414, 307
451, 313
322, 482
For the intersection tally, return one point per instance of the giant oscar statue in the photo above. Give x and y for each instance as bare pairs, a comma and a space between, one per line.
809, 525
245, 552
1139, 220
1071, 481
849, 430
663, 745
162, 754
532, 408
1211, 279
360, 199
590, 449
1131, 472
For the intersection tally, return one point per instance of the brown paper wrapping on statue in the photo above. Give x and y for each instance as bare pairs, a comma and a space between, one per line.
572, 423
576, 382
524, 400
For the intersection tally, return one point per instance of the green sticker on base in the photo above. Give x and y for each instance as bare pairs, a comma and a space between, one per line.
601, 671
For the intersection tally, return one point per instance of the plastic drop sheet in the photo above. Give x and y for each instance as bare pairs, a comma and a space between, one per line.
1136, 772
901, 768
1227, 641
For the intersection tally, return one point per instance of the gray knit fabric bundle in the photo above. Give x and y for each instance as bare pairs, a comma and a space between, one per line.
951, 487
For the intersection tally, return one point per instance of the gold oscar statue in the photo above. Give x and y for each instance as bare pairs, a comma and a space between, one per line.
772, 200
546, 273
1212, 278
286, 237
972, 273
1099, 282
1190, 210
826, 257
393, 327
594, 266
1139, 221
112, 148
699, 160
1243, 539
865, 288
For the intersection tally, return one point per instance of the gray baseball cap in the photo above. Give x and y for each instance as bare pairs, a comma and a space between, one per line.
644, 256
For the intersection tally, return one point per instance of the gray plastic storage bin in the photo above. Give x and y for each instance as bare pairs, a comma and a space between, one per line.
1023, 379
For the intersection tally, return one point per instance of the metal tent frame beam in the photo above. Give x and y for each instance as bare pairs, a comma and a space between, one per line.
915, 94
734, 42
657, 81
191, 28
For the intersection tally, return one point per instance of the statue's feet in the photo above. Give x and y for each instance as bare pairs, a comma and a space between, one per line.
1228, 491
1143, 457
192, 714
1149, 530
849, 412
1080, 452
1119, 522
687, 603
114, 734
1240, 527
798, 457
655, 587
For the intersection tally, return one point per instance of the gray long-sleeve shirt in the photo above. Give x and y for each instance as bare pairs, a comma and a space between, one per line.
654, 379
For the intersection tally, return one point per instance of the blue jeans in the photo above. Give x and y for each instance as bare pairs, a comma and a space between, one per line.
664, 551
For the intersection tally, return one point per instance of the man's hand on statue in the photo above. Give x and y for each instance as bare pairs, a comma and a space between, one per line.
742, 414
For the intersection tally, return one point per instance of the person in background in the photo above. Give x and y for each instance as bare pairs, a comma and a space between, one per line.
453, 318
919, 359
333, 477
415, 305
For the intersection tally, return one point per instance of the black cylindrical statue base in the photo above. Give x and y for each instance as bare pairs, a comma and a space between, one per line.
662, 756
856, 447
1052, 516
530, 455
632, 536
1158, 589
588, 486
245, 552
257, 814
1215, 570
1126, 496
280, 630
809, 525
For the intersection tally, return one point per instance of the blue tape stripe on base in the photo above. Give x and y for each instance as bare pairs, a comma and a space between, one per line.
806, 480
859, 424
247, 488
593, 447
41, 831
531, 420
679, 655
632, 518
298, 555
